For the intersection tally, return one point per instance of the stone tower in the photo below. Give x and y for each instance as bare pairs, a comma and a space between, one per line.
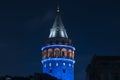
58, 52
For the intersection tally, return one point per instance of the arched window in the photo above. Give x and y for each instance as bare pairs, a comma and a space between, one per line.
56, 52
70, 53
44, 55
64, 52
73, 55
50, 53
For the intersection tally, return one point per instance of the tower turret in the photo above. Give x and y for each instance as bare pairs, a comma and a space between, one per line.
58, 53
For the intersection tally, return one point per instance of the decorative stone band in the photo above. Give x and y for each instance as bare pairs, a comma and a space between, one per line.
58, 59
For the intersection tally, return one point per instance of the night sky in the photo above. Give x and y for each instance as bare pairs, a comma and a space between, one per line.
94, 27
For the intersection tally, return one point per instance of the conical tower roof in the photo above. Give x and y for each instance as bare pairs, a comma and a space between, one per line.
58, 29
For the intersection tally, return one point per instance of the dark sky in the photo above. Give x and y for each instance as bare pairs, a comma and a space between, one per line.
93, 25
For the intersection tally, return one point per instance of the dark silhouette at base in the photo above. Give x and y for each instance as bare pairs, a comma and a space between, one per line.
37, 76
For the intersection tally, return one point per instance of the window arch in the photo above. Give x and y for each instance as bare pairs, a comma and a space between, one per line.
73, 55
44, 55
56, 52
64, 52
70, 53
50, 53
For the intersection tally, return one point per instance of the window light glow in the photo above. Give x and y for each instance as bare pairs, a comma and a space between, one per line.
50, 64
63, 64
70, 65
56, 64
